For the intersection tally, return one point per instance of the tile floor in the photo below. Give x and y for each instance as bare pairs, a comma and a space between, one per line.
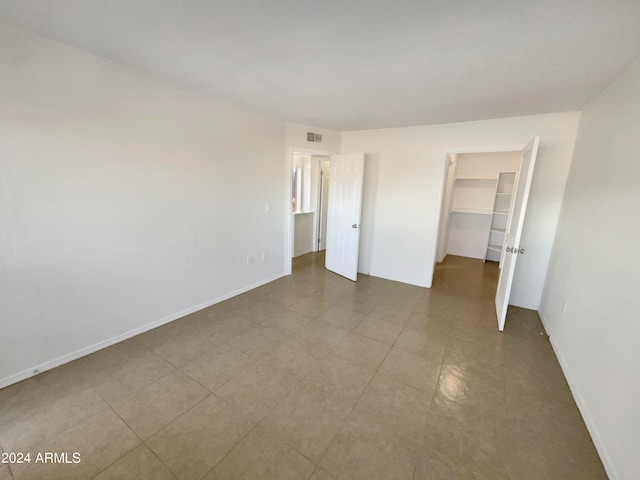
313, 376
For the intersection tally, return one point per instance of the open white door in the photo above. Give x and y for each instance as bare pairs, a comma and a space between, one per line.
514, 229
343, 214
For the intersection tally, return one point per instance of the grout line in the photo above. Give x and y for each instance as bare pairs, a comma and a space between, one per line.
359, 397
128, 451
231, 450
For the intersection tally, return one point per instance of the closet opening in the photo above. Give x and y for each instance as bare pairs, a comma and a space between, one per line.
477, 203
483, 206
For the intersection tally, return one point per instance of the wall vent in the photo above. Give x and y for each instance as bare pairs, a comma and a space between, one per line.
314, 137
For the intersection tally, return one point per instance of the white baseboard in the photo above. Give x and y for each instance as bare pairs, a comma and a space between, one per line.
56, 362
582, 406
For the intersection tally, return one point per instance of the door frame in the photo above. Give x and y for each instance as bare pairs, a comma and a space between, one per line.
443, 184
321, 211
288, 229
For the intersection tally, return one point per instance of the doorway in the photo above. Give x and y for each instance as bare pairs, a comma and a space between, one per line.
477, 203
484, 195
304, 203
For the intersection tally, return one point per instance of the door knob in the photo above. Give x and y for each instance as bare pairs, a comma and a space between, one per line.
355, 225
521, 250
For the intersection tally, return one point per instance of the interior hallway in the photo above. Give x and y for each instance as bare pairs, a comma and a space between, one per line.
313, 376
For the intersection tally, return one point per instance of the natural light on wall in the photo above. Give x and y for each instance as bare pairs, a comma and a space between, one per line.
301, 184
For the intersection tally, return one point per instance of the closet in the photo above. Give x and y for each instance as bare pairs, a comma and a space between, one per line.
478, 203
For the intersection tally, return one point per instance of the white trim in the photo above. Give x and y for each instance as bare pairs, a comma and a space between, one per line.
498, 149
56, 362
602, 450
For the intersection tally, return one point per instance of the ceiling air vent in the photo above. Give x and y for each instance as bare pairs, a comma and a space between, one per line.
314, 137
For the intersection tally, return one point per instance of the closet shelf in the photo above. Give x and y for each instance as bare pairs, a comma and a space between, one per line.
479, 211
495, 248
504, 193
499, 230
497, 212
476, 177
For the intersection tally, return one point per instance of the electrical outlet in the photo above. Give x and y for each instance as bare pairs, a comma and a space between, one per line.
265, 255
564, 309
249, 260
267, 207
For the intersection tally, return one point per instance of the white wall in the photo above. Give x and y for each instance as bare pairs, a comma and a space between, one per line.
403, 175
126, 200
488, 163
297, 138
445, 208
303, 233
595, 269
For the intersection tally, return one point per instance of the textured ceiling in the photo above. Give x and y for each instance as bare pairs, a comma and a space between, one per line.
359, 64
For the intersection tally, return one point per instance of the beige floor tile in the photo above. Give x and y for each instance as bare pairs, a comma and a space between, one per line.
391, 407
319, 340
311, 306
261, 456
309, 427
442, 299
185, 347
311, 415
257, 341
380, 330
361, 454
418, 343
433, 465
389, 314
257, 390
260, 309
5, 473
118, 371
290, 358
474, 354
321, 475
342, 317
156, 405
362, 351
480, 446
44, 406
218, 366
469, 394
100, 440
339, 381
140, 463
227, 327
535, 421
289, 322
196, 441
554, 461
433, 325
363, 304
414, 370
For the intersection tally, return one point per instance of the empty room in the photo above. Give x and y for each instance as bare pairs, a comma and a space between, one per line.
328, 241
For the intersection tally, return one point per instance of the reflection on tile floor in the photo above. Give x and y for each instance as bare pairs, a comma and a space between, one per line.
313, 376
